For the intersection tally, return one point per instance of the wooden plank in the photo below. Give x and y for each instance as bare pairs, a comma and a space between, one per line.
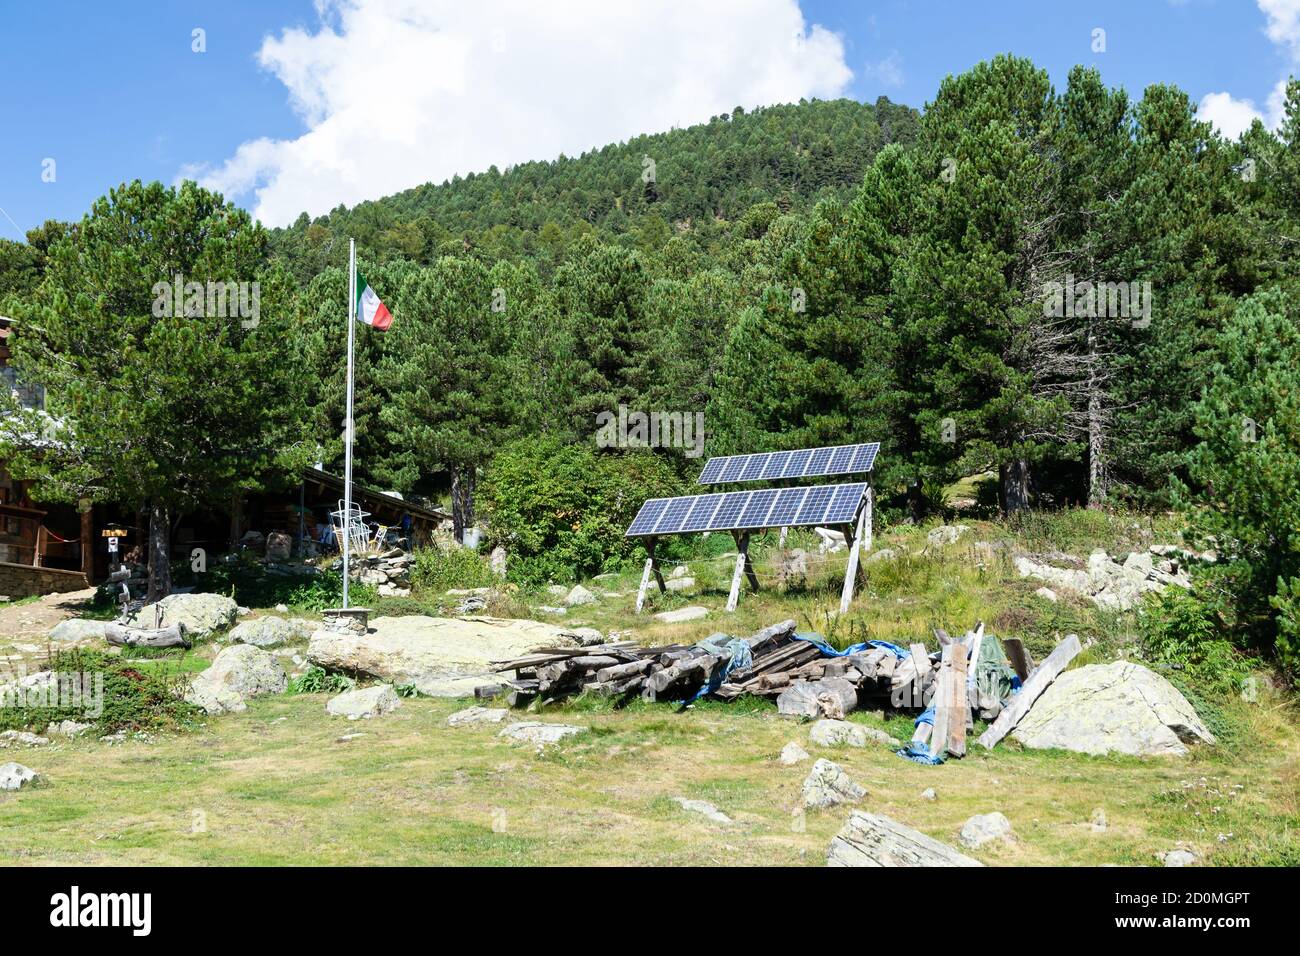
921, 663
1018, 656
870, 839
645, 583
851, 572
943, 687
1033, 688
958, 706
736, 576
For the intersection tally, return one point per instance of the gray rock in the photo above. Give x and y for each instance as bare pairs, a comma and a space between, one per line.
282, 609
238, 673
439, 656
838, 733
692, 612
364, 704
792, 754
884, 554
705, 808
1098, 820
477, 715
680, 584
76, 629
985, 828
552, 610
680, 571
579, 596
1120, 707
279, 546
540, 734
21, 738
67, 728
945, 534
828, 785
559, 590
1179, 858
268, 632
587, 636
203, 615
14, 776
1047, 594
929, 794
497, 561
1064, 578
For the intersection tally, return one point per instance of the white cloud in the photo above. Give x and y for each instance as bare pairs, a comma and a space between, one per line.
1232, 116
888, 72
395, 93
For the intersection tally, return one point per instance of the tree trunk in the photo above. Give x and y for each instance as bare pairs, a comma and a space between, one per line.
1096, 431
160, 535
915, 501
462, 500
236, 520
1014, 483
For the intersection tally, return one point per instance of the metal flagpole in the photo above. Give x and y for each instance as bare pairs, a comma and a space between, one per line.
347, 423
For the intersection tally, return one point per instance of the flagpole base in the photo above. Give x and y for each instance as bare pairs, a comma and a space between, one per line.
347, 620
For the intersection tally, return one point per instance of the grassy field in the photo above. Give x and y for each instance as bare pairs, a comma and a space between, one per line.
277, 785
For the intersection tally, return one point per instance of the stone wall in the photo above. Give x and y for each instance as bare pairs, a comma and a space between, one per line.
23, 580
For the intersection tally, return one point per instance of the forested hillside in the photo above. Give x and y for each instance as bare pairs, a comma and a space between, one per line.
684, 182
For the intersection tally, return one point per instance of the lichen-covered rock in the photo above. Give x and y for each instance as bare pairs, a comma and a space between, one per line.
238, 673
828, 785
578, 596
76, 629
14, 776
477, 715
841, 733
203, 615
268, 632
364, 704
985, 828
538, 733
1120, 707
792, 754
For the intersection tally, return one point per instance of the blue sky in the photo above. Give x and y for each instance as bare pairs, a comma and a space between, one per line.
375, 95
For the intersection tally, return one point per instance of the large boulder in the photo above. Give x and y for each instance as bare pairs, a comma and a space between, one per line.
841, 733
238, 673
440, 657
268, 632
76, 629
1113, 708
540, 734
986, 828
203, 615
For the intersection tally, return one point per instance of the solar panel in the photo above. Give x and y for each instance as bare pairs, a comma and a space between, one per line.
765, 508
805, 463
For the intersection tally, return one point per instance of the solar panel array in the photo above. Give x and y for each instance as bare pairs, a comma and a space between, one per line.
805, 463
738, 510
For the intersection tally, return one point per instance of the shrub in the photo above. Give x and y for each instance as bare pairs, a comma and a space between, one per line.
437, 570
316, 680
137, 695
1185, 631
561, 510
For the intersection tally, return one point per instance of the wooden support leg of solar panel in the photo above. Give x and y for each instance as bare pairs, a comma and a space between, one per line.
858, 539
650, 567
744, 568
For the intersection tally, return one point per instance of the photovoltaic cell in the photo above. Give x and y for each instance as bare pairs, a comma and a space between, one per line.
805, 463
765, 508
645, 518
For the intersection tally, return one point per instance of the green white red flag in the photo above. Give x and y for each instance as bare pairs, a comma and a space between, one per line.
370, 309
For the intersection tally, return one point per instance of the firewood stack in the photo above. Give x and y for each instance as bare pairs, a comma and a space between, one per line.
804, 680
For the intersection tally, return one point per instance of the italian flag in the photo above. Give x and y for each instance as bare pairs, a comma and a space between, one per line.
369, 309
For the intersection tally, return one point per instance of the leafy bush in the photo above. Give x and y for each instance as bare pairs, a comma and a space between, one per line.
316, 680
1185, 631
438, 570
136, 695
561, 510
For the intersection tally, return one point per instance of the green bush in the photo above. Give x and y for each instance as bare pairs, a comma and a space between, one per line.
137, 695
1185, 631
437, 571
316, 680
561, 510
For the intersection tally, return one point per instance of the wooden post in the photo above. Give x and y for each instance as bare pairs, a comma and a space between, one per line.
1038, 681
650, 568
41, 535
867, 536
88, 544
743, 569
958, 706
855, 546
942, 709
781, 543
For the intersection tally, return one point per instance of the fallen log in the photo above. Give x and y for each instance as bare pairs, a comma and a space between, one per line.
173, 635
870, 839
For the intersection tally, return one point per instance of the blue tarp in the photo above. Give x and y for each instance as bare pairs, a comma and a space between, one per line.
816, 641
919, 752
